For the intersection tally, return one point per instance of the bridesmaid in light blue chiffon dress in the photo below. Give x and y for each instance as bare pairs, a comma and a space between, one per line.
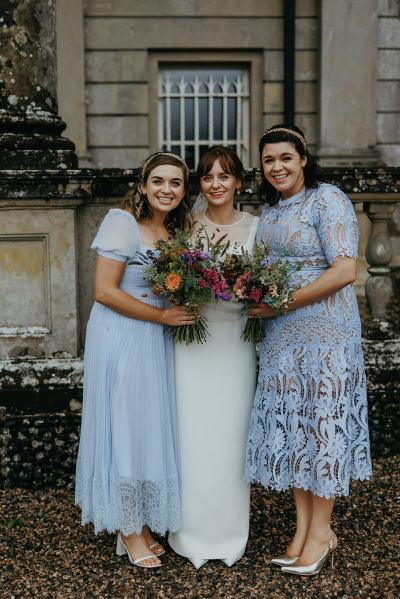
127, 477
309, 424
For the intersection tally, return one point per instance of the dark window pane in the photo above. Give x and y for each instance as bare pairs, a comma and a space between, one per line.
217, 105
176, 150
203, 118
203, 150
189, 118
232, 114
189, 156
175, 119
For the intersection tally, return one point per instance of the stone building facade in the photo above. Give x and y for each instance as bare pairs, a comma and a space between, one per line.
111, 56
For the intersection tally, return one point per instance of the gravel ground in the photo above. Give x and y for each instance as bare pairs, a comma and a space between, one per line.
47, 554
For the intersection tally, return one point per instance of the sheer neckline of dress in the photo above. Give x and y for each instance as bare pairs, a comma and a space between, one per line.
298, 196
238, 222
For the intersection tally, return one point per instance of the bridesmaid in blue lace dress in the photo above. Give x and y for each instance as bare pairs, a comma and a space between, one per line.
127, 476
309, 426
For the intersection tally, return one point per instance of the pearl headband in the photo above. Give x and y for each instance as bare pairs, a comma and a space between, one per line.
148, 161
289, 132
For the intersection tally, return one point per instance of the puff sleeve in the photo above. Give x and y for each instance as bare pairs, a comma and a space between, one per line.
336, 223
118, 236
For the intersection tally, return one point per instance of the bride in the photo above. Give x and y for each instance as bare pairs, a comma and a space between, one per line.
215, 385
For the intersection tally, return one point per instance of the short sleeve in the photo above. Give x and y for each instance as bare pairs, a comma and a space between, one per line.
118, 236
336, 223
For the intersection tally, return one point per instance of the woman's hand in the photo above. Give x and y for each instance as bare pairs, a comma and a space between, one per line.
261, 311
177, 316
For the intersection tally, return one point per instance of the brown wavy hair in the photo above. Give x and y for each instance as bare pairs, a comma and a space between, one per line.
228, 159
137, 204
313, 175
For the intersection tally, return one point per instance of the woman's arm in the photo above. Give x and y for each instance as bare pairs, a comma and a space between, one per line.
341, 273
107, 292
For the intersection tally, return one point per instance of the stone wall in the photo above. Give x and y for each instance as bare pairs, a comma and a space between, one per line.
121, 37
39, 428
388, 84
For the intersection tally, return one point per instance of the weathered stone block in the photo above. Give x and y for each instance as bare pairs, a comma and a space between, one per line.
306, 97
273, 97
309, 124
306, 8
389, 64
196, 8
124, 65
388, 96
388, 127
272, 119
388, 8
389, 33
306, 68
390, 154
126, 33
273, 65
118, 131
307, 34
37, 264
118, 98
118, 157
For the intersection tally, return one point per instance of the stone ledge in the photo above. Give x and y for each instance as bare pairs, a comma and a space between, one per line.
33, 374
89, 185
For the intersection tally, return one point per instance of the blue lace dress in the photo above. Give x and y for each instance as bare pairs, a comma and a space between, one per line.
127, 469
309, 424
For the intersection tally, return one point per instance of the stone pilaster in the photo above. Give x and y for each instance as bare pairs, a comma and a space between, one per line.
30, 128
348, 83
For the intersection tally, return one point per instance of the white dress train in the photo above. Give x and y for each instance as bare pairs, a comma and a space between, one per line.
215, 385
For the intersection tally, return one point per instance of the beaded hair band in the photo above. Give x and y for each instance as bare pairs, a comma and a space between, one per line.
290, 132
148, 161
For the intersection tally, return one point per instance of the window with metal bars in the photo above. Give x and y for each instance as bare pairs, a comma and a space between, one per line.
200, 107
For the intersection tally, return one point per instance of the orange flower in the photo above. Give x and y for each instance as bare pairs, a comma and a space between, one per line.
173, 281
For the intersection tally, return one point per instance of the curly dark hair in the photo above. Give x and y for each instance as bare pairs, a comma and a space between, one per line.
313, 175
137, 204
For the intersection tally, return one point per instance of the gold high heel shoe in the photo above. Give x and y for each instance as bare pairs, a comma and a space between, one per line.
284, 560
316, 567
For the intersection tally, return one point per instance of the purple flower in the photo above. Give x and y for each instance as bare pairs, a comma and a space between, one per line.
224, 296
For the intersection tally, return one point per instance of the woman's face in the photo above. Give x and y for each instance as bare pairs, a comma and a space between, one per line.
218, 187
283, 167
164, 188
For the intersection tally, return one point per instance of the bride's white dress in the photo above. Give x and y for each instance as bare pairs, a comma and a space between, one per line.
215, 385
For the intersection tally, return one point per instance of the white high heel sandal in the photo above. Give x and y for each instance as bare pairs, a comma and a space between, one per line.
122, 549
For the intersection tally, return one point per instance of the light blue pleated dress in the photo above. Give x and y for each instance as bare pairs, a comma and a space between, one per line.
128, 462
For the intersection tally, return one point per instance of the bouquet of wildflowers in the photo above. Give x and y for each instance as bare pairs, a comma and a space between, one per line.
255, 279
188, 272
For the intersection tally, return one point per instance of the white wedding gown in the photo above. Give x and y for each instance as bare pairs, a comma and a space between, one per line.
215, 385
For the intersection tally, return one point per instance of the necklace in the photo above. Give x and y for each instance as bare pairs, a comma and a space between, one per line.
230, 225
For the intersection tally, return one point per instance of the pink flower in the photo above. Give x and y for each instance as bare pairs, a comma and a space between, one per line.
255, 295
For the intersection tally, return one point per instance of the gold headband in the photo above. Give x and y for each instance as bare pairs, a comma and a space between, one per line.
148, 161
290, 132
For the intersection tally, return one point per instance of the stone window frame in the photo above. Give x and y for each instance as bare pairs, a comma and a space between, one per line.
253, 59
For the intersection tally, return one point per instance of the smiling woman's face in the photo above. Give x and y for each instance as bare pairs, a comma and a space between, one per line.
164, 188
218, 186
283, 167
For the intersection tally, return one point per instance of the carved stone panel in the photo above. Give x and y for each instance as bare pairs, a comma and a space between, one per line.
38, 283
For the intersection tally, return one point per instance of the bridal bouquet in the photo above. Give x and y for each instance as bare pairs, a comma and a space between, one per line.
258, 278
187, 271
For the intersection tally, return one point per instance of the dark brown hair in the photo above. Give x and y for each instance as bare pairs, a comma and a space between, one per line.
228, 159
313, 175
137, 204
